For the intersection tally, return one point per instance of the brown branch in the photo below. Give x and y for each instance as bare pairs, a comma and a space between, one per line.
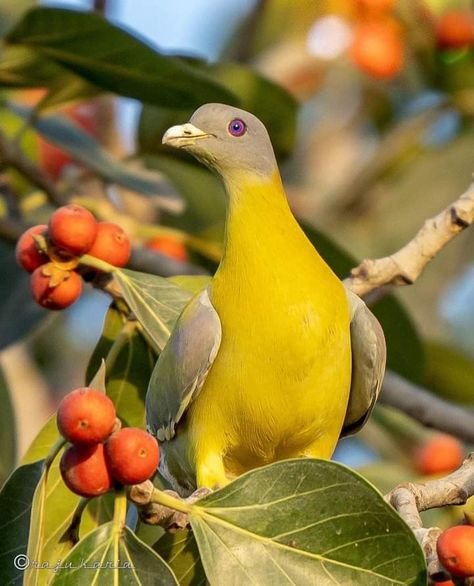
411, 498
427, 408
12, 156
406, 265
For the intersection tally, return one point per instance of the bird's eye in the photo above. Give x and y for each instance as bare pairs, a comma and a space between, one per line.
237, 127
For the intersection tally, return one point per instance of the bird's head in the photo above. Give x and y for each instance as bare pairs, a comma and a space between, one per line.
226, 139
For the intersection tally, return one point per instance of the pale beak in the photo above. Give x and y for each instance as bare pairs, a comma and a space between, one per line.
183, 135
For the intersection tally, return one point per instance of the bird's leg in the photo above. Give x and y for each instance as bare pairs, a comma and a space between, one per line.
145, 495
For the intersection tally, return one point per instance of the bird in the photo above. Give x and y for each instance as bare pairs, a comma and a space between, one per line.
274, 359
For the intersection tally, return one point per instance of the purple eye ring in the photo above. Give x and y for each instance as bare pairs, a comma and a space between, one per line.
237, 127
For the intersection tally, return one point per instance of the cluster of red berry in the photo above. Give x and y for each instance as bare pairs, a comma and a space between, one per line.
101, 452
378, 46
51, 253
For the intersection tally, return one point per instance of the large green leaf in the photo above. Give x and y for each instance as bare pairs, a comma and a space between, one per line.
130, 362
114, 60
18, 312
107, 556
304, 522
181, 552
15, 511
69, 137
155, 302
7, 431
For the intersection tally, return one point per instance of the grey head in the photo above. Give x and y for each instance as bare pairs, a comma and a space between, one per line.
226, 139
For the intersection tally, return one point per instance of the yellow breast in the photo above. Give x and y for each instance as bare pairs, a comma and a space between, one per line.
280, 382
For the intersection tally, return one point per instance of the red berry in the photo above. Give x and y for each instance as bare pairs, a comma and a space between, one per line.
72, 229
84, 470
455, 29
168, 246
27, 254
440, 454
377, 49
55, 298
132, 454
86, 416
111, 244
455, 549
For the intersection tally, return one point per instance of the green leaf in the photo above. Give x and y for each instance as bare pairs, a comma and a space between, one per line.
69, 137
130, 561
155, 302
18, 312
304, 522
181, 552
114, 60
130, 362
8, 451
449, 373
15, 512
405, 353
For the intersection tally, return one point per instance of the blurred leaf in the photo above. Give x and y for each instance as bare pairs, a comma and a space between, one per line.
130, 561
114, 60
8, 449
130, 362
22, 67
304, 521
193, 284
181, 552
15, 511
449, 373
155, 302
69, 137
18, 312
404, 347
202, 191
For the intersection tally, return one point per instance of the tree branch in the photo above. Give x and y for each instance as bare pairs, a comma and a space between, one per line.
427, 408
12, 156
411, 498
406, 265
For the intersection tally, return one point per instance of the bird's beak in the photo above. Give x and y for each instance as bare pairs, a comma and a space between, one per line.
183, 135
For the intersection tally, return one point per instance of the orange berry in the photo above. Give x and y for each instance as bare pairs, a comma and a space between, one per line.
377, 6
72, 229
441, 453
377, 49
455, 29
169, 246
111, 244
455, 549
132, 455
27, 254
84, 470
58, 297
86, 416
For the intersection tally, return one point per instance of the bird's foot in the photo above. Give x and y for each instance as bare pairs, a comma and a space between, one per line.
155, 513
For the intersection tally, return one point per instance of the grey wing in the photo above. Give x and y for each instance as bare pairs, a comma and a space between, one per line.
183, 365
368, 364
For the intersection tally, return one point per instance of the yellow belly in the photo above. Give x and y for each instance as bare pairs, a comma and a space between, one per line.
280, 383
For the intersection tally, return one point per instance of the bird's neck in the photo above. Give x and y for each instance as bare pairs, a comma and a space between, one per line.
260, 227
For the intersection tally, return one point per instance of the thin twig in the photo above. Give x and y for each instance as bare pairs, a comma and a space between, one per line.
426, 407
406, 265
411, 498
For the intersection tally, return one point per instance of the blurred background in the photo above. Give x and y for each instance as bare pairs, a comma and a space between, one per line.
370, 104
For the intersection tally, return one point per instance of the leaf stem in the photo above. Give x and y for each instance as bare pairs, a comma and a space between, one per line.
124, 335
53, 452
96, 263
163, 498
72, 532
120, 510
